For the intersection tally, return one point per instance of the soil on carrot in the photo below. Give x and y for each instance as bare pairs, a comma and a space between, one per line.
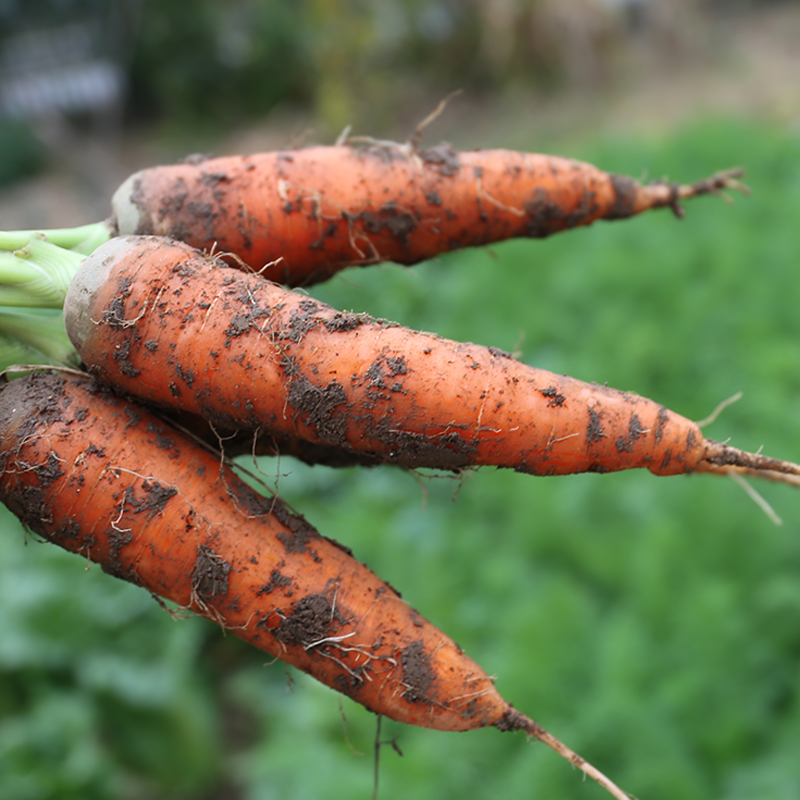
42, 400
417, 673
210, 575
311, 620
399, 223
162, 440
323, 406
47, 473
449, 451
299, 536
157, 497
42, 404
442, 157
276, 581
117, 539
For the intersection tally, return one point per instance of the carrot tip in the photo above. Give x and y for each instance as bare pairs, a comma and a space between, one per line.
724, 459
716, 184
514, 720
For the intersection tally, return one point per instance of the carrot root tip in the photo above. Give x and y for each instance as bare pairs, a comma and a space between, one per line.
514, 720
724, 459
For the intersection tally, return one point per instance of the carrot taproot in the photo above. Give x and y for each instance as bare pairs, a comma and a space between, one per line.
102, 477
308, 213
161, 321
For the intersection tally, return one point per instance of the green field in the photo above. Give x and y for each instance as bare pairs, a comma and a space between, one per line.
651, 624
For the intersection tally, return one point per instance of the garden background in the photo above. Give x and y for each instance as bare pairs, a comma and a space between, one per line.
651, 624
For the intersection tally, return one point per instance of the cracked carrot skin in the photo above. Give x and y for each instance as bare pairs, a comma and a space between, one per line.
104, 478
160, 321
323, 208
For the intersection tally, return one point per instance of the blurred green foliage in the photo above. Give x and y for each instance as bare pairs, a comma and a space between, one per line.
652, 624
209, 61
21, 154
365, 63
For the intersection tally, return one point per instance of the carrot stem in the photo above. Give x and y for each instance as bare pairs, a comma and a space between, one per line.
14, 352
37, 274
84, 239
42, 333
516, 721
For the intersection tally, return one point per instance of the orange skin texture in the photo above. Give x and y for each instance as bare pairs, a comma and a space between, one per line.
104, 478
176, 329
323, 208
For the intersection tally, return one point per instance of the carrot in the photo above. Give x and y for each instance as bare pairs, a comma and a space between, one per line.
103, 478
308, 213
173, 328
240, 442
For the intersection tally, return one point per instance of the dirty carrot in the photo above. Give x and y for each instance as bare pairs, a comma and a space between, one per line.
300, 216
163, 322
101, 477
309, 213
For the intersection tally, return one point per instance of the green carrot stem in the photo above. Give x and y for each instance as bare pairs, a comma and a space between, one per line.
15, 271
84, 239
37, 274
13, 352
42, 332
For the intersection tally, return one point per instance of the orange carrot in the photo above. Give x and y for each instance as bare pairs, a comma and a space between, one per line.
101, 477
160, 321
317, 210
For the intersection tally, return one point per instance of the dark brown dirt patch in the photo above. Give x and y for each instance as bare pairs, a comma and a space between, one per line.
29, 504
417, 673
49, 471
302, 321
310, 620
210, 574
346, 322
155, 499
400, 224
594, 430
122, 355
68, 531
443, 158
112, 565
173, 200
162, 440
543, 212
554, 398
321, 406
239, 325
276, 581
383, 369
186, 375
114, 315
635, 431
661, 422
299, 535
39, 397
133, 415
94, 450
624, 197
498, 353
449, 451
